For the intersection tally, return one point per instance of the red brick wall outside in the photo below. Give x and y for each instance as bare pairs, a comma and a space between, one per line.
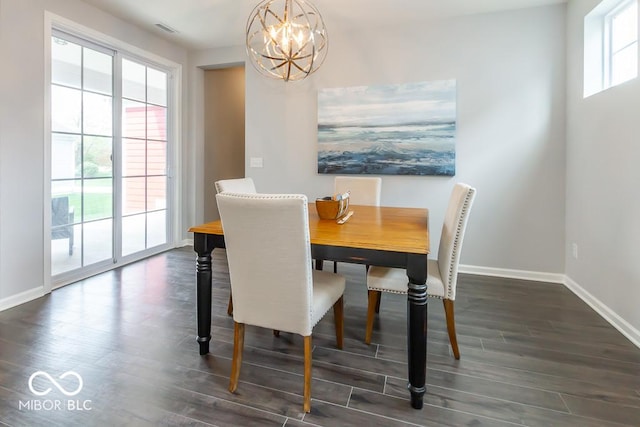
140, 161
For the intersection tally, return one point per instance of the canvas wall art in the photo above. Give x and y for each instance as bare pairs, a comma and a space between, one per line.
403, 129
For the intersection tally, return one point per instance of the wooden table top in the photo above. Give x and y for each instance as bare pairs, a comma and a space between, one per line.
370, 227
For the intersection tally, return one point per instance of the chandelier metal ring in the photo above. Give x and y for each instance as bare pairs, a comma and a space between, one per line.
286, 39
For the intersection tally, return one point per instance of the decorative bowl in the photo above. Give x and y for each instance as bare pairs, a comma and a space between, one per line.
328, 208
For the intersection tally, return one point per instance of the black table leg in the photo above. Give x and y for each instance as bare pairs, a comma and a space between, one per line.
203, 245
417, 327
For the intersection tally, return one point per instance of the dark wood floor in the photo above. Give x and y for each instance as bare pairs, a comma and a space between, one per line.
532, 354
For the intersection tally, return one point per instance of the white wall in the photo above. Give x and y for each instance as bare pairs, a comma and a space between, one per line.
22, 108
510, 77
603, 203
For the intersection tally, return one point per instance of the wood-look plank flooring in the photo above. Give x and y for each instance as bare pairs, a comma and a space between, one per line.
532, 354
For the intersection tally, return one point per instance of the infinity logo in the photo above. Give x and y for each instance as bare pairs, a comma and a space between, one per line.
55, 383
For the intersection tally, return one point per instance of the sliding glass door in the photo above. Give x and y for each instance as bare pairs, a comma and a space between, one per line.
81, 153
109, 157
144, 157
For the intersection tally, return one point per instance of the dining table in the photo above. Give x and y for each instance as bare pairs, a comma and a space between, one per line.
373, 235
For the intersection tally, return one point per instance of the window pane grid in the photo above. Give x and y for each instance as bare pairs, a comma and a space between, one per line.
144, 158
82, 176
83, 137
65, 63
614, 52
622, 56
624, 26
624, 64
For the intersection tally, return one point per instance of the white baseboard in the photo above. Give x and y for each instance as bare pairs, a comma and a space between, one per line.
185, 242
512, 274
598, 306
605, 312
21, 298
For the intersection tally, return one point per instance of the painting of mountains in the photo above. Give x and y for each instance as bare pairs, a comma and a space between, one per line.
405, 129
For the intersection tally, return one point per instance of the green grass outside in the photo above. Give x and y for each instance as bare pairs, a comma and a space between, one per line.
96, 206
98, 200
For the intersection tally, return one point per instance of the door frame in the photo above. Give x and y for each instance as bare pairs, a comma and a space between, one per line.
174, 136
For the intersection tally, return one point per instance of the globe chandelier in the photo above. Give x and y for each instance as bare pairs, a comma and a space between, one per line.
286, 39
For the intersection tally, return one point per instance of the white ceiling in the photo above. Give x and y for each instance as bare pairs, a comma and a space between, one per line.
205, 24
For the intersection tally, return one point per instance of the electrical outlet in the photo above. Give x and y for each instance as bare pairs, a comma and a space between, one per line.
574, 250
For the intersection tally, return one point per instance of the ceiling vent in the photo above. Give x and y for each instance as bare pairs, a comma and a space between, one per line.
165, 27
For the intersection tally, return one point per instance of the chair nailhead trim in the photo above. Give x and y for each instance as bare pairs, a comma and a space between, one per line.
456, 242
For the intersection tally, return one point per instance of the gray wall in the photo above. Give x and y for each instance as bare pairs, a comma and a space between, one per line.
510, 77
603, 203
22, 180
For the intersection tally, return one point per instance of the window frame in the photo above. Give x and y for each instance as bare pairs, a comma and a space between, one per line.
598, 56
608, 51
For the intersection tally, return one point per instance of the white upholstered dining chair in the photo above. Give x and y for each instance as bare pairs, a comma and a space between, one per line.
442, 274
362, 191
235, 185
272, 280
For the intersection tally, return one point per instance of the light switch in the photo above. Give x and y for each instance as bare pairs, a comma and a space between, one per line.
255, 162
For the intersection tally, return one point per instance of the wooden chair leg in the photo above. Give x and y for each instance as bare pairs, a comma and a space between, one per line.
374, 296
451, 327
306, 405
335, 267
230, 306
379, 299
338, 317
238, 345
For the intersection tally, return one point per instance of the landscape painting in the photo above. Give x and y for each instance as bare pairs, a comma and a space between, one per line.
404, 129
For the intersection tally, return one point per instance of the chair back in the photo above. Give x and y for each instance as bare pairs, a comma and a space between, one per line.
364, 190
269, 257
59, 211
238, 185
453, 229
